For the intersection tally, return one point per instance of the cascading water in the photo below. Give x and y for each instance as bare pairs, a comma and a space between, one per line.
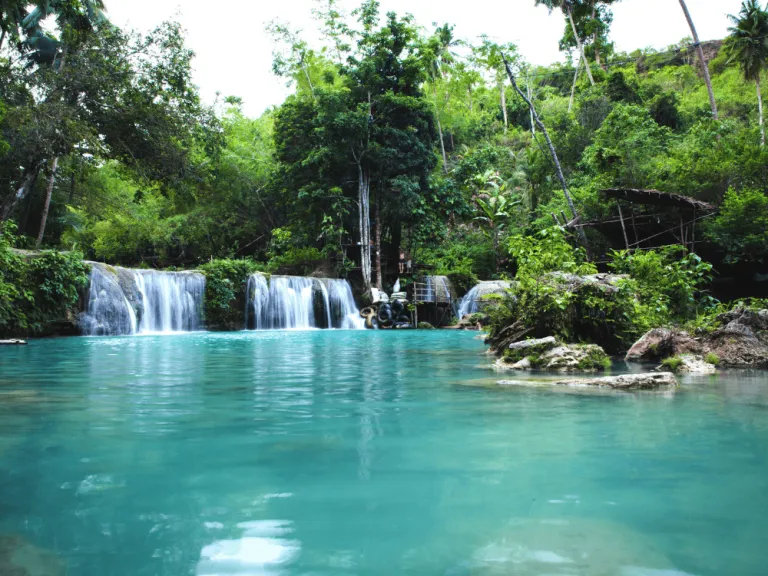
173, 301
342, 310
472, 301
108, 312
291, 302
123, 301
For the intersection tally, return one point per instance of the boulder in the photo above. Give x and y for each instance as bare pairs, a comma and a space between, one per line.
741, 341
690, 364
662, 343
575, 358
535, 345
550, 355
649, 381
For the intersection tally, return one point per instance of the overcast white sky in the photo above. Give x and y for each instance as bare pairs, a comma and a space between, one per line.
234, 55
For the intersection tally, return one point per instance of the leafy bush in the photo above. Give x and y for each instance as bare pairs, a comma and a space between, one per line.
551, 298
669, 282
712, 358
741, 227
673, 363
225, 288
37, 290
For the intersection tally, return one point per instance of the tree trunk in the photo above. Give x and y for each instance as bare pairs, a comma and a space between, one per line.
379, 280
530, 97
594, 40
702, 60
363, 200
54, 167
12, 199
760, 110
578, 43
573, 88
552, 151
504, 106
2, 38
440, 133
47, 205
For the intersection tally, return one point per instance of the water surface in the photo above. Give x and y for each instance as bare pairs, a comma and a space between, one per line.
334, 452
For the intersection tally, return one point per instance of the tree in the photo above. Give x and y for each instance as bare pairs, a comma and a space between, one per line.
489, 56
748, 45
494, 203
75, 20
566, 7
12, 14
438, 59
702, 59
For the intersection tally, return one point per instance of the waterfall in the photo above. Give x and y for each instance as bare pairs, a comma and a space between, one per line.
286, 302
256, 300
342, 310
107, 312
123, 301
472, 301
173, 301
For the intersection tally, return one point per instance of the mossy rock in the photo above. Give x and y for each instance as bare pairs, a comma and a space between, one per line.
425, 326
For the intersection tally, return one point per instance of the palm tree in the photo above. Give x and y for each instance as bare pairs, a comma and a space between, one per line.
80, 16
704, 66
749, 47
565, 6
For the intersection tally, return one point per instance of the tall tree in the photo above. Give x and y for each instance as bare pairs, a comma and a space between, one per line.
488, 56
567, 7
749, 47
439, 58
75, 20
702, 59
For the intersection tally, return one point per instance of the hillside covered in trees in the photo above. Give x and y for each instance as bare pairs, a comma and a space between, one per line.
397, 139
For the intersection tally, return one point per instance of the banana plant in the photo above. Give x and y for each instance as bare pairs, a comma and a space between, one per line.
494, 203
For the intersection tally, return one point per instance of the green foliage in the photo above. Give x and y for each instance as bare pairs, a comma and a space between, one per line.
672, 364
225, 287
37, 290
712, 358
740, 228
594, 360
669, 282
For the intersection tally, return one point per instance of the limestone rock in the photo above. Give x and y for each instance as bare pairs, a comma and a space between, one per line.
662, 343
647, 381
18, 557
540, 344
574, 358
695, 365
742, 341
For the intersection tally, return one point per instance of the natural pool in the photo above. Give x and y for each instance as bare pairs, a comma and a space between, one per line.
333, 452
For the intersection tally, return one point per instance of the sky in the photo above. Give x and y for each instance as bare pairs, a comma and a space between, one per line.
236, 60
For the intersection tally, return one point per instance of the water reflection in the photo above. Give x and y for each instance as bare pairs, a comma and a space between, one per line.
334, 452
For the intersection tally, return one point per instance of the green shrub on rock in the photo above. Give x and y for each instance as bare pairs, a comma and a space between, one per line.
38, 290
225, 292
673, 363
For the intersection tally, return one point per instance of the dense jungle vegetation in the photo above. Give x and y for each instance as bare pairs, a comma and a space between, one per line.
396, 138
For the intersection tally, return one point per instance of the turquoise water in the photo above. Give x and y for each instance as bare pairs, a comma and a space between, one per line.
327, 452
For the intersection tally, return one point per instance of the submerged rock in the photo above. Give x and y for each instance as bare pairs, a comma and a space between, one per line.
569, 545
18, 557
647, 381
